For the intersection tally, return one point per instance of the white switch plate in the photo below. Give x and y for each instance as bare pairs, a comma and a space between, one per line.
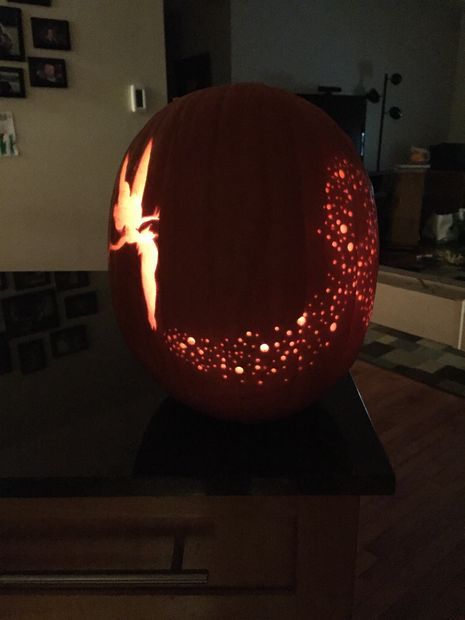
137, 98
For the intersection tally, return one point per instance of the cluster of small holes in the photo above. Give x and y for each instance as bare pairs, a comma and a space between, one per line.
355, 251
255, 358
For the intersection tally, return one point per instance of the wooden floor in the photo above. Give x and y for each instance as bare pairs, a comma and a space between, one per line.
411, 559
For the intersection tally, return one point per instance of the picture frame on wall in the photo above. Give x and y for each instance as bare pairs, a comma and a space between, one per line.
11, 34
47, 72
30, 279
81, 305
12, 82
66, 280
29, 313
50, 34
3, 281
36, 2
32, 356
5, 355
69, 340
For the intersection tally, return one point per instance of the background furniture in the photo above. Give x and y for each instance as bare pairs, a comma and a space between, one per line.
219, 521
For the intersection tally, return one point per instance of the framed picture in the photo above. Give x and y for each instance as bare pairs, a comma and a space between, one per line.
12, 82
3, 281
29, 313
50, 34
81, 305
11, 34
47, 72
68, 341
30, 279
5, 355
32, 356
66, 280
36, 2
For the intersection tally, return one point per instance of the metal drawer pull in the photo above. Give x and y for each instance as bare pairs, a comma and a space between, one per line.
153, 579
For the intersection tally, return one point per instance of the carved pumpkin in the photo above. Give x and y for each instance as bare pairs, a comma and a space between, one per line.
243, 251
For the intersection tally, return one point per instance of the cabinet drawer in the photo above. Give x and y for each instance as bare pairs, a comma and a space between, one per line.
240, 543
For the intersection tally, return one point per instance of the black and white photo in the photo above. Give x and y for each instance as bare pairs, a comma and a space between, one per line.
47, 72
11, 34
50, 34
12, 82
30, 313
32, 356
69, 340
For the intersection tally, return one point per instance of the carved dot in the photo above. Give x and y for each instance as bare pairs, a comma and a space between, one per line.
264, 348
239, 370
333, 327
350, 246
191, 340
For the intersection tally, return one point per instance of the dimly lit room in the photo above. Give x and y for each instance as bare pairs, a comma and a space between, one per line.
232, 309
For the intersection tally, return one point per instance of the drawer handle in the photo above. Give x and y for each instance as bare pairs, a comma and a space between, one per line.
152, 579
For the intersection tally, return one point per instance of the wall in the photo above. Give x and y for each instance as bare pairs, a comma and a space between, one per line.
442, 307
299, 45
54, 198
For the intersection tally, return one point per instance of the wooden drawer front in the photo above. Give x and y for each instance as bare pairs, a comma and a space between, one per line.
247, 551
217, 544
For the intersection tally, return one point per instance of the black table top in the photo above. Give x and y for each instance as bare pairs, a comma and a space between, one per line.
88, 422
330, 448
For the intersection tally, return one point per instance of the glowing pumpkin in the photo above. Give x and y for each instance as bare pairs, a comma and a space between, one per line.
243, 251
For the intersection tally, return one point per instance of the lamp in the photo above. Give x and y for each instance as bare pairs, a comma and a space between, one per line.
394, 112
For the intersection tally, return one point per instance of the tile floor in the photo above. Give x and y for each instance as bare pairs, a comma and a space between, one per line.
435, 364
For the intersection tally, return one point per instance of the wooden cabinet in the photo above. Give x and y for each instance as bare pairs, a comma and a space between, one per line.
217, 522
405, 189
212, 558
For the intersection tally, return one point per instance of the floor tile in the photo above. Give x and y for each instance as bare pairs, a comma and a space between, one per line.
421, 359
431, 365
450, 373
375, 349
387, 339
452, 386
409, 358
430, 344
451, 359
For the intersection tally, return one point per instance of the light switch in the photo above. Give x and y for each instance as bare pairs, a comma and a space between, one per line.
137, 98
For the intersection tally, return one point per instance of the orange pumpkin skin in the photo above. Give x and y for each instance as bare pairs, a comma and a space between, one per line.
243, 266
